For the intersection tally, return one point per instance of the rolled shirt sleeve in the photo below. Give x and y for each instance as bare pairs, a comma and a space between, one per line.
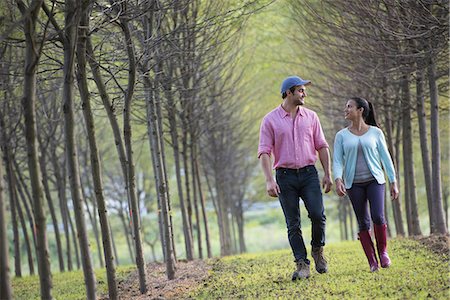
319, 138
266, 138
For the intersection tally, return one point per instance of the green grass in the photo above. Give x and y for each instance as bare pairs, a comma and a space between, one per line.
66, 286
416, 273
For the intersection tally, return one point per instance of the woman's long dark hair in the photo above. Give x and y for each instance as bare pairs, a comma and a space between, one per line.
368, 110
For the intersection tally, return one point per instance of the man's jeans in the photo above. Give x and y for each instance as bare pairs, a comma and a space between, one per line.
304, 183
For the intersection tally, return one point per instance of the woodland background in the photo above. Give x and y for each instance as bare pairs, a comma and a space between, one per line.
129, 129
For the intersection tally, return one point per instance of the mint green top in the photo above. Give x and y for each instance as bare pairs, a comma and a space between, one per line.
375, 151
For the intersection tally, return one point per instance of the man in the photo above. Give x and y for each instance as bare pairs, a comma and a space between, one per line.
293, 134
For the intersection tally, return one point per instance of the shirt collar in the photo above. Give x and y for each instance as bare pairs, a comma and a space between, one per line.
285, 114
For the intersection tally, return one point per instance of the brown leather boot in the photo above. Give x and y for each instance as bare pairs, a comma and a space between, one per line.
319, 259
369, 250
380, 237
302, 270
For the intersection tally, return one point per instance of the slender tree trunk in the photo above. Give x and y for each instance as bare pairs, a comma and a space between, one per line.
240, 227
61, 185
224, 223
127, 233
110, 111
5, 282
29, 102
154, 136
188, 241
393, 150
72, 15
184, 152
95, 157
26, 201
202, 202
195, 200
127, 132
113, 243
74, 233
52, 209
408, 163
93, 220
159, 118
13, 202
438, 213
421, 116
26, 237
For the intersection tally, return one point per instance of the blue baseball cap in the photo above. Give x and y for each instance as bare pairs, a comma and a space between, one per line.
293, 81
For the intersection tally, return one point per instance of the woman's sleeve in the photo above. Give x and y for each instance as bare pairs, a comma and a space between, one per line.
386, 159
338, 156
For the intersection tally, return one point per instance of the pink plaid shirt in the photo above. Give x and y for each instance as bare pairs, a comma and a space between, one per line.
294, 143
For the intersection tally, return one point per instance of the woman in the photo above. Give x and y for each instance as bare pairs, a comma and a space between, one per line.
360, 151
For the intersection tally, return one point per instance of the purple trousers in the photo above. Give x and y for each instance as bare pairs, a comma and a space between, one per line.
363, 195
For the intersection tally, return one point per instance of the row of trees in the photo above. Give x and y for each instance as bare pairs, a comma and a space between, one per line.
395, 54
166, 66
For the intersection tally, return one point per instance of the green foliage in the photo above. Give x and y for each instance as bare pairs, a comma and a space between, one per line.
67, 286
415, 273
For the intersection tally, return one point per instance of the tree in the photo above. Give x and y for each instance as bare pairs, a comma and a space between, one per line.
5, 284
95, 157
30, 15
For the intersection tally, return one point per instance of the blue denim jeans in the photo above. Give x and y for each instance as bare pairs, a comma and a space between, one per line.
301, 183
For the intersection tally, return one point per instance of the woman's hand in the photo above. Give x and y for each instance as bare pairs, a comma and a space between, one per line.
394, 191
340, 188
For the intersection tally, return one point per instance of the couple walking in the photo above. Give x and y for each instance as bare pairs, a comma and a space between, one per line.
293, 136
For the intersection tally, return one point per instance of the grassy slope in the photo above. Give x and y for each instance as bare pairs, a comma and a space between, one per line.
416, 273
67, 286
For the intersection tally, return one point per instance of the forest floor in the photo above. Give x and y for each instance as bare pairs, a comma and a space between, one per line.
420, 269
234, 277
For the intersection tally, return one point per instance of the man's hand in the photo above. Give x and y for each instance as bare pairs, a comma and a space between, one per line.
340, 188
326, 183
272, 188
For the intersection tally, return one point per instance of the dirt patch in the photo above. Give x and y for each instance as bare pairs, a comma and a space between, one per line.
438, 244
188, 276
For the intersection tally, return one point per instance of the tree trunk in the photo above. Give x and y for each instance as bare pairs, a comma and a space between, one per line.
110, 111
140, 262
188, 240
202, 202
25, 237
421, 116
29, 102
408, 163
72, 14
195, 201
438, 213
127, 232
5, 282
74, 233
95, 157
13, 202
51, 208
26, 201
61, 185
184, 153
393, 150
154, 136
